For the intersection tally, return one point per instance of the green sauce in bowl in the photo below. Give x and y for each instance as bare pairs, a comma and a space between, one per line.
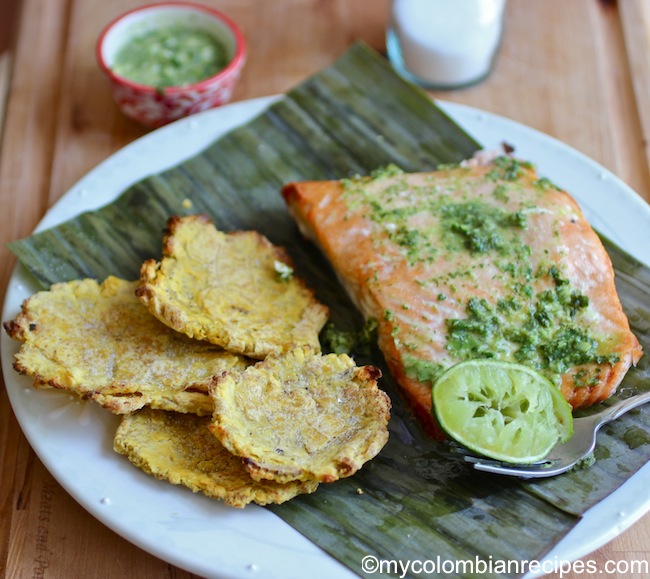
172, 56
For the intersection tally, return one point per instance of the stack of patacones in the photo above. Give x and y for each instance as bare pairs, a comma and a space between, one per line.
214, 361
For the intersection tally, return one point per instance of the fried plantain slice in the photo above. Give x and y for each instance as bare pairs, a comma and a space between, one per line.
99, 342
301, 416
180, 449
232, 289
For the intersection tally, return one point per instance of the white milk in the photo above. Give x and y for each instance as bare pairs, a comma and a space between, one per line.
445, 43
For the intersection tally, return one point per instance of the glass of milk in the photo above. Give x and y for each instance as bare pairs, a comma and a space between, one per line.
444, 44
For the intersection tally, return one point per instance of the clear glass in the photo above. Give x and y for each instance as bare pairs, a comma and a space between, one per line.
444, 44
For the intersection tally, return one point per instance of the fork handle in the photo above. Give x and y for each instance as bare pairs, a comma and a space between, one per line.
620, 408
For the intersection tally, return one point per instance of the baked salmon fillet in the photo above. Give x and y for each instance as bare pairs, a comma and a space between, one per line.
473, 261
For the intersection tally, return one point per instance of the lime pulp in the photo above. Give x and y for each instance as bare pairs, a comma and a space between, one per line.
501, 410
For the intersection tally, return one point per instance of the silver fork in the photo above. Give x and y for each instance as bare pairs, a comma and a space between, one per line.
564, 456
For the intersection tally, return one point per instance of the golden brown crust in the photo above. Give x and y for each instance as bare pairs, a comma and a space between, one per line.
225, 289
301, 416
100, 343
180, 449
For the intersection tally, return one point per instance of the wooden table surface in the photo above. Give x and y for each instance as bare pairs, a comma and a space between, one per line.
579, 71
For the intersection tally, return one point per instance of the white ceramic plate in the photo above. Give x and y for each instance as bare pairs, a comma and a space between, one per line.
74, 440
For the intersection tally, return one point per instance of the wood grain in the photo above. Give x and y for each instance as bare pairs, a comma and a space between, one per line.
5, 78
635, 22
578, 71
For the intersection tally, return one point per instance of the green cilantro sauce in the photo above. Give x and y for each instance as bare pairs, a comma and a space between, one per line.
171, 56
283, 271
535, 327
341, 341
635, 437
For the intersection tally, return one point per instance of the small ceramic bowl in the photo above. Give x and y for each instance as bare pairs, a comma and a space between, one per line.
155, 106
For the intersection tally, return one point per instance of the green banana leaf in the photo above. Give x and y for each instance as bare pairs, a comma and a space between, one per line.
412, 502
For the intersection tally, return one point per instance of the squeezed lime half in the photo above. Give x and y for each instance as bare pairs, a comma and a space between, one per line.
501, 410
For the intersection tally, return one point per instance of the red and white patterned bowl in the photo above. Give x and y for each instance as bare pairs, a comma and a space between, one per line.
154, 107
